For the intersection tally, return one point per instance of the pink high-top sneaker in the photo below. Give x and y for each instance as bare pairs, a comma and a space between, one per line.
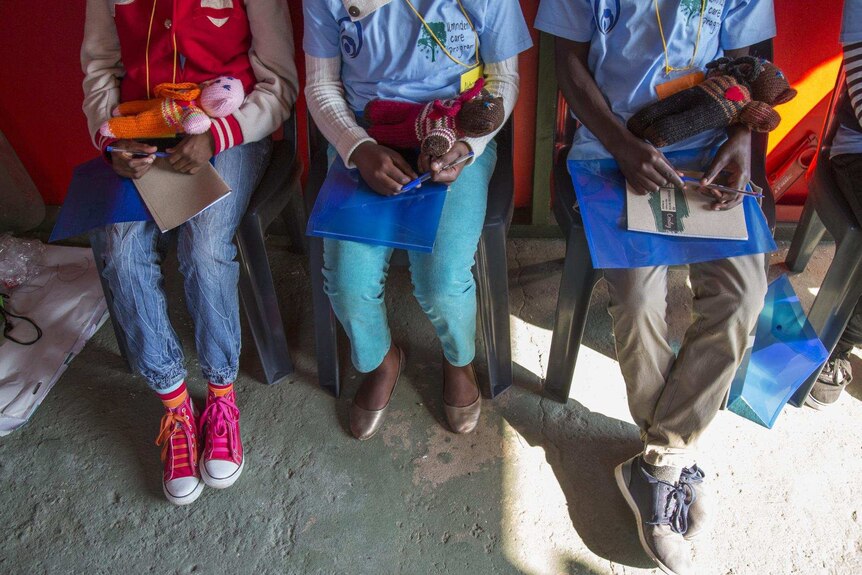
222, 461
178, 437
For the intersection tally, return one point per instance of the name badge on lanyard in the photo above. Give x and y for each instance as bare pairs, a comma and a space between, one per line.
671, 87
472, 75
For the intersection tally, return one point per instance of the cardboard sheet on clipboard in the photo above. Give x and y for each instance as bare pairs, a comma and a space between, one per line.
173, 198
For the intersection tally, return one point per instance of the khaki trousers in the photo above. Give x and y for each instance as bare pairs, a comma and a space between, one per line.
673, 398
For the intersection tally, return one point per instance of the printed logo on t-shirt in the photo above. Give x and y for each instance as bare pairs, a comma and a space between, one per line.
606, 13
457, 37
351, 37
712, 17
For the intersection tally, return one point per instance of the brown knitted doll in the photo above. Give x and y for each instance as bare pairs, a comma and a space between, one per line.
738, 91
436, 126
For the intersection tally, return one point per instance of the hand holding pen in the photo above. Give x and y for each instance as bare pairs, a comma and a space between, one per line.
444, 169
131, 159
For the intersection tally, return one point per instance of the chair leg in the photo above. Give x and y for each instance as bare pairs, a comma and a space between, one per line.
325, 327
836, 300
573, 304
257, 290
98, 243
808, 234
295, 219
492, 281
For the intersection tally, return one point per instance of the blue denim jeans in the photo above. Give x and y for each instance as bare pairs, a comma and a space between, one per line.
355, 276
206, 255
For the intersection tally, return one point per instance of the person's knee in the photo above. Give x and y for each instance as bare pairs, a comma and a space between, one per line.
747, 302
350, 288
127, 248
637, 305
442, 284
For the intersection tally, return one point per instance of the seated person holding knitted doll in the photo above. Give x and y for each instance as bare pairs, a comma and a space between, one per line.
612, 60
414, 52
225, 80
846, 161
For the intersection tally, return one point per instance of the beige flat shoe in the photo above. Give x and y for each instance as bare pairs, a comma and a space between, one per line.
364, 423
464, 419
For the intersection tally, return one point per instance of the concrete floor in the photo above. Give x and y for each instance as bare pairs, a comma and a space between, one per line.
530, 492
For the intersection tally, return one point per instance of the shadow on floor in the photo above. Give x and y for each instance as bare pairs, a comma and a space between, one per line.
583, 448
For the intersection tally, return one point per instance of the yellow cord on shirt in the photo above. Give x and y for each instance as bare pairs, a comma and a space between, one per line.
147, 53
442, 46
667, 67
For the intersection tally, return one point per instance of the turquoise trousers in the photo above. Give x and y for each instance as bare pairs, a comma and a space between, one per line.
355, 276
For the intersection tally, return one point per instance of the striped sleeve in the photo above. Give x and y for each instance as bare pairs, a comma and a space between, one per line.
226, 133
853, 71
271, 56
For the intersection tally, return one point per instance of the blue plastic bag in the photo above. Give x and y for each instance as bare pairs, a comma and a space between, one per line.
786, 352
96, 197
601, 191
348, 209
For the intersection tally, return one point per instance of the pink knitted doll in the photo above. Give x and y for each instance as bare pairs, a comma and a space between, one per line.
177, 108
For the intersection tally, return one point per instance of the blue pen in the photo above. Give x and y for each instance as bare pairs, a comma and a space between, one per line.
427, 175
138, 154
721, 188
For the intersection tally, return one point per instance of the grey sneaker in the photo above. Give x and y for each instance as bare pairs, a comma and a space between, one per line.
836, 375
692, 481
661, 512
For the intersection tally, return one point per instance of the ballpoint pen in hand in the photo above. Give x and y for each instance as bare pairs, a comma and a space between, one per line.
427, 175
721, 188
137, 153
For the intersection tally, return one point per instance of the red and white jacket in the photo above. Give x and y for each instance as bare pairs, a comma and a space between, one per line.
130, 46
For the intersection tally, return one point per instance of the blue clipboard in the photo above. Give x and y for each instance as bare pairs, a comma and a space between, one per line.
97, 197
786, 352
600, 190
348, 209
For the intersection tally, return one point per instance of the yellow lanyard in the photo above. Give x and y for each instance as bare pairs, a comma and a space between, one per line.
667, 67
147, 53
442, 46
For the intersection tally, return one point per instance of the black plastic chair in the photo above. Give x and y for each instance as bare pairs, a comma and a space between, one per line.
491, 270
279, 193
827, 209
579, 276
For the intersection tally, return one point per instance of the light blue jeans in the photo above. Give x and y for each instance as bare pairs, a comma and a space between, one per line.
206, 255
355, 276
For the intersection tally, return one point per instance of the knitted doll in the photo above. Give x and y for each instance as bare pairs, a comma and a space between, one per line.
740, 91
177, 108
436, 126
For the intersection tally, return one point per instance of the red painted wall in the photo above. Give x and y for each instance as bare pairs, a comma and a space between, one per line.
40, 102
807, 38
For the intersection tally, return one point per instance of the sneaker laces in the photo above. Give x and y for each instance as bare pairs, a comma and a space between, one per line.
220, 419
690, 477
677, 500
177, 422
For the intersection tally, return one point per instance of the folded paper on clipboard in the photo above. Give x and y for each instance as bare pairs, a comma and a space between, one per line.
600, 189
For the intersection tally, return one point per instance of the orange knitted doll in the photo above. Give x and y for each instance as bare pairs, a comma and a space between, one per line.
177, 108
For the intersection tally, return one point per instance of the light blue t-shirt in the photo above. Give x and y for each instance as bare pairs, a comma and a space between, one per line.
626, 56
846, 140
389, 53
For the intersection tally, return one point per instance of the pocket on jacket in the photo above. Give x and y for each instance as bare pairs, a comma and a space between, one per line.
218, 12
115, 3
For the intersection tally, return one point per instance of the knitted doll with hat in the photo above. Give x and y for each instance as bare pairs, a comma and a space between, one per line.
736, 91
177, 108
436, 126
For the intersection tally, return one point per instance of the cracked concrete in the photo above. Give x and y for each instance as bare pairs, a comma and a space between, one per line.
530, 492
